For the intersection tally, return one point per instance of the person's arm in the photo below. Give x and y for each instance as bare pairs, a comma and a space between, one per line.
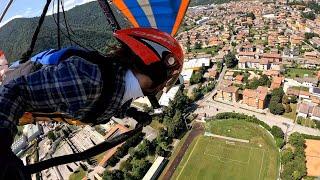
67, 87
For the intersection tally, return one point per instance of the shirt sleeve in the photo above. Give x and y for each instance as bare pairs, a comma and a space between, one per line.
72, 85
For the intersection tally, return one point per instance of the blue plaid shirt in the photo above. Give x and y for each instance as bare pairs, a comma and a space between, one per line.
70, 87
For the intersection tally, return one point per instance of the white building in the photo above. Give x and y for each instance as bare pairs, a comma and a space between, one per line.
169, 96
19, 144
155, 169
32, 131
196, 63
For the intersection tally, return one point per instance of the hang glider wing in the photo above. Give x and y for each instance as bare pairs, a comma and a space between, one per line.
165, 15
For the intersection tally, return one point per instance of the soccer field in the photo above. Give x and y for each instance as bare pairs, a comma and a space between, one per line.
216, 158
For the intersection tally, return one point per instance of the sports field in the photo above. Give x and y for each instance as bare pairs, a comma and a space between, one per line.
216, 158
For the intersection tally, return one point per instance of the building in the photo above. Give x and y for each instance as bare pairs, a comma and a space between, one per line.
32, 131
255, 98
229, 93
276, 82
19, 144
308, 81
155, 169
304, 109
196, 64
166, 97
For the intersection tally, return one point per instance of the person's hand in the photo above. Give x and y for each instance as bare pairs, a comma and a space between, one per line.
11, 167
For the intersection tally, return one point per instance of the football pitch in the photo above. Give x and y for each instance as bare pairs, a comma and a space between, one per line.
216, 158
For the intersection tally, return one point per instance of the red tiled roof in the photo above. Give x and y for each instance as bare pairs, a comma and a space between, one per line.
316, 111
260, 93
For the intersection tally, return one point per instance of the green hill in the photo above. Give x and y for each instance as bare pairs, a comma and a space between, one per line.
87, 22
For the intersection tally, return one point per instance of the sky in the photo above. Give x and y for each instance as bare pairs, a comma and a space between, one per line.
31, 8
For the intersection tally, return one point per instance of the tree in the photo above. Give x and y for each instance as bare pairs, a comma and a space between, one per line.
198, 45
113, 175
296, 139
285, 100
287, 108
308, 15
195, 78
113, 161
230, 60
293, 99
139, 168
286, 156
253, 17
277, 132
51, 135
276, 108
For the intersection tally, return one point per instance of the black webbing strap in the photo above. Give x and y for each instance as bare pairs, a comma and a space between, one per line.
96, 150
26, 56
105, 6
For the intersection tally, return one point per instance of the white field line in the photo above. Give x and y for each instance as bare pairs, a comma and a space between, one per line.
261, 165
225, 137
188, 158
220, 158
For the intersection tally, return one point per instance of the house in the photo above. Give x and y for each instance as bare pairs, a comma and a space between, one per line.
304, 109
239, 79
229, 93
276, 82
229, 75
311, 55
315, 115
255, 98
308, 81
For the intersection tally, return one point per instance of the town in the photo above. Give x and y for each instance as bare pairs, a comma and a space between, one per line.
253, 62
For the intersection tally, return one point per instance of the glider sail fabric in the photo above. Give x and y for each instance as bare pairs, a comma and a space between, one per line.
165, 15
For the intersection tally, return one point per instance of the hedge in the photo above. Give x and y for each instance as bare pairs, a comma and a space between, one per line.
252, 119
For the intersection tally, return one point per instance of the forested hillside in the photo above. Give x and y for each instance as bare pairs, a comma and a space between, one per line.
87, 21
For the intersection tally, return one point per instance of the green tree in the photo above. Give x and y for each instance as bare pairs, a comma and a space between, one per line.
296, 139
139, 168
285, 100
198, 45
195, 78
230, 60
113, 175
277, 132
286, 156
308, 15
276, 108
253, 17
51, 135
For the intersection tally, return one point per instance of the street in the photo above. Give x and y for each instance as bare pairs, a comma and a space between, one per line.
210, 108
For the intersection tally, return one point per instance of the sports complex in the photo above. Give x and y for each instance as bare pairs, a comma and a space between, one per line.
231, 149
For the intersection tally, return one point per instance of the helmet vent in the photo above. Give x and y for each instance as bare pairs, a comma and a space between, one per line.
156, 47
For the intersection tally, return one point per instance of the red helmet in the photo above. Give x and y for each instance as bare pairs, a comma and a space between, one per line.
160, 55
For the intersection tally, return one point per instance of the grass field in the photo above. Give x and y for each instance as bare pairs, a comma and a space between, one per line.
213, 158
294, 72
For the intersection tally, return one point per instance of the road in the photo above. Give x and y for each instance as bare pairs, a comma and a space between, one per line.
210, 107
208, 97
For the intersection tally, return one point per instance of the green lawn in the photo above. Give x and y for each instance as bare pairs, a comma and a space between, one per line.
212, 158
293, 114
78, 175
294, 72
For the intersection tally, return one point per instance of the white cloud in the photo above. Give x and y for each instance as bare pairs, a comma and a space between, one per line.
8, 20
